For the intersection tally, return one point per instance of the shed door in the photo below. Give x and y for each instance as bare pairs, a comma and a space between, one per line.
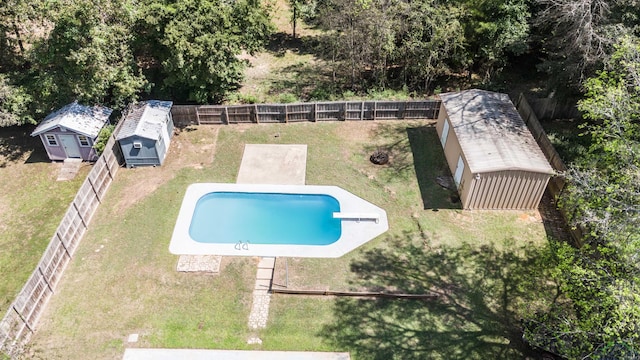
457, 177
70, 145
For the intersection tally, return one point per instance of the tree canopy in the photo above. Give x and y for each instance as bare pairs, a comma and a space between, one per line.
423, 39
113, 52
199, 42
601, 279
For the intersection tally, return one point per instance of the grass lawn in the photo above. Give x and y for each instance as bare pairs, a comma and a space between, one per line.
485, 266
32, 204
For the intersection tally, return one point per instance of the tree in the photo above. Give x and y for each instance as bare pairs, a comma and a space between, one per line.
17, 26
431, 42
577, 36
494, 30
199, 43
14, 104
295, 5
605, 192
88, 57
601, 280
361, 36
371, 39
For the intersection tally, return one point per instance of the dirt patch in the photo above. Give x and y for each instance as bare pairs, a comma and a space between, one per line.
531, 217
189, 148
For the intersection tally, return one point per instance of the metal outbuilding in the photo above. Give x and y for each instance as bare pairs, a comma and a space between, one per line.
495, 161
146, 133
70, 131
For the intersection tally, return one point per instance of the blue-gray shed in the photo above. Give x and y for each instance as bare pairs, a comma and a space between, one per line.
146, 133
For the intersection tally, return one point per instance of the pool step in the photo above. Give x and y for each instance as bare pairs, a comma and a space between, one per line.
264, 276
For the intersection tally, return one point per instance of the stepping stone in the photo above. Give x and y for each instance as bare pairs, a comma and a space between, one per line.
265, 274
199, 263
267, 263
263, 284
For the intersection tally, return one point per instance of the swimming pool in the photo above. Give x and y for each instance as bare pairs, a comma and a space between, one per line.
265, 218
273, 220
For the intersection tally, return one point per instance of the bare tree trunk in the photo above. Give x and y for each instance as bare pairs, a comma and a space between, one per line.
18, 37
295, 19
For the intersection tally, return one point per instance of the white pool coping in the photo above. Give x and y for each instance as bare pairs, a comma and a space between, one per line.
368, 222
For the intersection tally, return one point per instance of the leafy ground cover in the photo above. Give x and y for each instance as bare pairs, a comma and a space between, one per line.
485, 266
32, 204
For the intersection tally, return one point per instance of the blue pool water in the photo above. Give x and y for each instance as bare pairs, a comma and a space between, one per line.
265, 218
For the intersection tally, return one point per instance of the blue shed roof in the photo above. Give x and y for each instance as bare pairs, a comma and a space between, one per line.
85, 120
145, 119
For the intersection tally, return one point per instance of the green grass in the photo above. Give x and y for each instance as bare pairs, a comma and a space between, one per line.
31, 207
123, 279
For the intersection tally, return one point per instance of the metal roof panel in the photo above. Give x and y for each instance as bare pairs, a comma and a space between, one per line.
85, 120
492, 134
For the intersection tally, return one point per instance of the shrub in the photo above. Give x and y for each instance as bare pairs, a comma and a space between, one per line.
287, 98
102, 139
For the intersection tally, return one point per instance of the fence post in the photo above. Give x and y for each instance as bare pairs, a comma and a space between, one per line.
45, 279
93, 187
24, 321
362, 110
255, 114
375, 110
286, 113
104, 158
315, 112
197, 114
63, 244
79, 215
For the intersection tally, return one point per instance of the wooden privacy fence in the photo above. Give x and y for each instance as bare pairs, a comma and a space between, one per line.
319, 111
556, 183
22, 315
551, 108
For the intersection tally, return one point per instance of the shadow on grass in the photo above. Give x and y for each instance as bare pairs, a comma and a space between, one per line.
483, 292
16, 141
280, 42
417, 150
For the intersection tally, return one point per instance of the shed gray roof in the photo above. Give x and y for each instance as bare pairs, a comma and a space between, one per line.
85, 120
492, 135
145, 119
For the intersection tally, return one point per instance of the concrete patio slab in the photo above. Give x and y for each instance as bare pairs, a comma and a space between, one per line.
69, 169
195, 354
273, 164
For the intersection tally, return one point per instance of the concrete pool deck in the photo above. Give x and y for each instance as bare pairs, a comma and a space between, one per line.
273, 164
